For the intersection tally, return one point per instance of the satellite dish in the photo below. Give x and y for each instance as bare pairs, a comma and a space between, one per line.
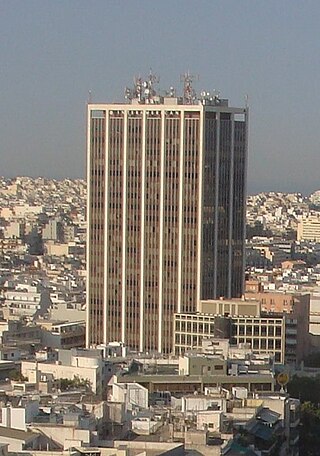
283, 378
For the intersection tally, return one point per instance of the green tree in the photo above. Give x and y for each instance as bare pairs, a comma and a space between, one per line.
306, 389
310, 429
17, 376
66, 384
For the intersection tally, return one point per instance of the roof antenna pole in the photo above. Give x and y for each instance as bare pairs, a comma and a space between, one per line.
189, 94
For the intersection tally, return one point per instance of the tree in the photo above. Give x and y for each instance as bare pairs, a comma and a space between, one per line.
257, 230
17, 376
305, 388
66, 384
308, 391
310, 429
312, 360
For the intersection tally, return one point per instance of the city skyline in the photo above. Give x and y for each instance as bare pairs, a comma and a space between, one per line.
54, 53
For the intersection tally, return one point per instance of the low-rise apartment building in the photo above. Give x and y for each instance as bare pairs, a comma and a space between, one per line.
87, 365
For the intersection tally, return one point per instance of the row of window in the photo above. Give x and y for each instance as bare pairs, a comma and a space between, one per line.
259, 330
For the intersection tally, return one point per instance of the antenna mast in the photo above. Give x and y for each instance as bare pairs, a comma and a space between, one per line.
143, 90
189, 94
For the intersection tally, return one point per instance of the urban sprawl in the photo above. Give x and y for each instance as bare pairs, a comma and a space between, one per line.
213, 393
156, 309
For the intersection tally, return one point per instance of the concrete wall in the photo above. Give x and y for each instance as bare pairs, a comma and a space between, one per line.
61, 434
201, 365
130, 393
157, 448
19, 417
196, 403
61, 312
16, 444
14, 230
56, 249
13, 418
145, 426
209, 420
92, 374
231, 307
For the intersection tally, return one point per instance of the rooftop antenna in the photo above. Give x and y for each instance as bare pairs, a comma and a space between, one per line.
246, 100
212, 97
189, 94
171, 92
136, 91
148, 85
143, 90
90, 96
128, 93
153, 78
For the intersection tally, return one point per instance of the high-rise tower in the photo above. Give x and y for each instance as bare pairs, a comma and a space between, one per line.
166, 211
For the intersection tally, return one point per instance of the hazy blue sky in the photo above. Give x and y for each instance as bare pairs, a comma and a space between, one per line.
53, 52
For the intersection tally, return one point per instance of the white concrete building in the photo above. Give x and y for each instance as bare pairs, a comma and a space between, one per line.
209, 420
130, 394
14, 230
19, 417
85, 364
26, 302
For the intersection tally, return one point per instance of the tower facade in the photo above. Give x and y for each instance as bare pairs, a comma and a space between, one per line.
166, 212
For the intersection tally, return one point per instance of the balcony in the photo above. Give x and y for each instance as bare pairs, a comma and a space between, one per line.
291, 331
291, 342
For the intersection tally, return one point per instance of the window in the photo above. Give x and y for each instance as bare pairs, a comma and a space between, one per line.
97, 114
278, 343
278, 330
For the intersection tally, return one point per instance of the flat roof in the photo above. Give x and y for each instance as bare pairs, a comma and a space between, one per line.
250, 378
17, 434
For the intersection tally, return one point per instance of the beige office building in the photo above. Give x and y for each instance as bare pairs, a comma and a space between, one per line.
166, 210
239, 321
309, 229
